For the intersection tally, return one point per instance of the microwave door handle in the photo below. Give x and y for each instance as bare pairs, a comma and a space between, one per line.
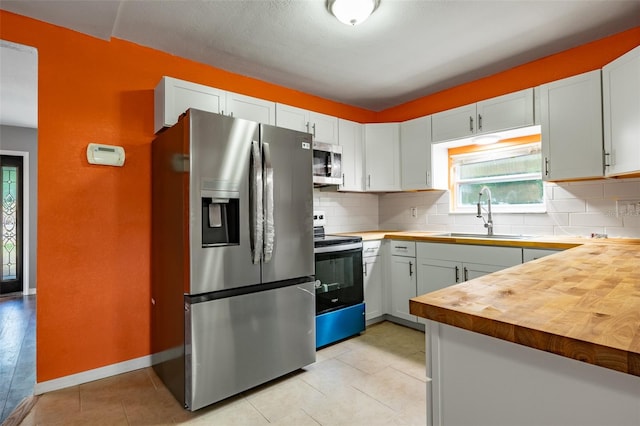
327, 164
269, 220
256, 220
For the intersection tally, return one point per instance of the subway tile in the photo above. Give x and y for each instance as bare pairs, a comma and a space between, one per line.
580, 191
594, 219
568, 205
533, 230
578, 231
547, 219
622, 189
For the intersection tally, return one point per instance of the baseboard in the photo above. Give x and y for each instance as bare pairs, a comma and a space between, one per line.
401, 321
29, 292
91, 375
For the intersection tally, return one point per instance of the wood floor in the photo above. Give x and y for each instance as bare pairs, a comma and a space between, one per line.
17, 351
377, 378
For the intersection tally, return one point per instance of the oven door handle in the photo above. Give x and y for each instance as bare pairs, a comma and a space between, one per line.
338, 248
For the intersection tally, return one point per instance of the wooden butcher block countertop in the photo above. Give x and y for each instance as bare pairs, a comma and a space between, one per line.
582, 303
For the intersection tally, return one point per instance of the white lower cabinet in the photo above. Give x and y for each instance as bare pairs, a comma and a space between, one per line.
480, 380
442, 265
373, 276
402, 279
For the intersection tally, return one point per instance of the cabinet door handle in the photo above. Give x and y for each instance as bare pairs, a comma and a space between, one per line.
479, 122
546, 166
606, 158
457, 274
343, 179
314, 130
307, 126
368, 181
471, 124
465, 273
410, 269
365, 270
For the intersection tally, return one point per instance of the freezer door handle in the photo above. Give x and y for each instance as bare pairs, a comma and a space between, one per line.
269, 224
256, 220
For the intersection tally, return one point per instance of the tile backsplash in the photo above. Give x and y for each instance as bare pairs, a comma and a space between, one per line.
347, 212
604, 206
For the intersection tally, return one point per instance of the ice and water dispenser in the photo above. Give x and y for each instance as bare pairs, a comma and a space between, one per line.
220, 218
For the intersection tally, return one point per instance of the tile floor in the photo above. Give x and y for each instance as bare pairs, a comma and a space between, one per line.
377, 378
17, 351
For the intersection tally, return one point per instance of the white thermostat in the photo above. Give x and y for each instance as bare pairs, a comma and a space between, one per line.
106, 155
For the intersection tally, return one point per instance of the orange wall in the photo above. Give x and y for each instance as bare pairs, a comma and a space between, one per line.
94, 222
587, 57
93, 277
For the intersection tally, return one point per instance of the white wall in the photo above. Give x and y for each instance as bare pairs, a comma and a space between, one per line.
574, 208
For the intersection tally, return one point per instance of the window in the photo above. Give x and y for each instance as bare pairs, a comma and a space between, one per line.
511, 169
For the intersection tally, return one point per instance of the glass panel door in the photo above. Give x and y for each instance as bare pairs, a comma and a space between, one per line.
11, 221
338, 280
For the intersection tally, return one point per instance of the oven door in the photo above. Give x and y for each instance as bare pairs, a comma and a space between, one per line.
338, 278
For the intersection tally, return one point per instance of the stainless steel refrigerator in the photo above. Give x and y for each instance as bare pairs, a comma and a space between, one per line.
233, 298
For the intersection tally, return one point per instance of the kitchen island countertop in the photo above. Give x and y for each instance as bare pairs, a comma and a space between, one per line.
582, 303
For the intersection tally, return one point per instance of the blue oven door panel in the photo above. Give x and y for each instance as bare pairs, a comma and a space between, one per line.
339, 324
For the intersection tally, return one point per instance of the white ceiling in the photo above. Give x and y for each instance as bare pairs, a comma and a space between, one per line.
407, 49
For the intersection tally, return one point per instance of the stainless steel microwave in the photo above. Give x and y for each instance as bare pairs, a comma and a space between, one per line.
327, 164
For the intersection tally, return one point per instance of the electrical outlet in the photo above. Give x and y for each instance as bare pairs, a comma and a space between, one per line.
414, 212
628, 207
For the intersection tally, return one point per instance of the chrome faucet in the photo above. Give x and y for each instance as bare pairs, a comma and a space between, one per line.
488, 223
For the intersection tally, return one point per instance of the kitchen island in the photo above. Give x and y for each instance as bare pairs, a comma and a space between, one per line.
553, 341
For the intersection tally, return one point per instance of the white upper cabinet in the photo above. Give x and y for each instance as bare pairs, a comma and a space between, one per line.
571, 122
509, 111
454, 123
172, 97
382, 156
249, 108
324, 128
621, 100
292, 118
505, 112
415, 153
350, 135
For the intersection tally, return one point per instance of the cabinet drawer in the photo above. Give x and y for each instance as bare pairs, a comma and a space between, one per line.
529, 254
403, 248
487, 255
371, 248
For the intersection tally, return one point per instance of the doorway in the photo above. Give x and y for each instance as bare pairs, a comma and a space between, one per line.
11, 222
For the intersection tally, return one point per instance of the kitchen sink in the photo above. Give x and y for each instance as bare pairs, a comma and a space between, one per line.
484, 236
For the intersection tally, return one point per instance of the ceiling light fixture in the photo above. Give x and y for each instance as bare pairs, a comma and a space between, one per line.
352, 12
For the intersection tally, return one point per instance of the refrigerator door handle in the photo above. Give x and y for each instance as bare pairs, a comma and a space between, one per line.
269, 224
256, 219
